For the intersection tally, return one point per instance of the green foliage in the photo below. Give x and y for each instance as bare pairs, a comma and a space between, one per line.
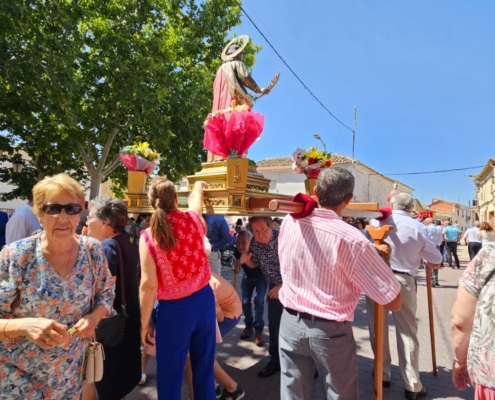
81, 79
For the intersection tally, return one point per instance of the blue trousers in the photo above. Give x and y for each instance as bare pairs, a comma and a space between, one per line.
248, 286
184, 325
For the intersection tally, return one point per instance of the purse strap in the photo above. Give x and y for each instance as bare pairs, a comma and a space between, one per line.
93, 272
121, 277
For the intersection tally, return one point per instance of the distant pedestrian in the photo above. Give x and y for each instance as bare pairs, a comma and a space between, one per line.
22, 224
219, 236
472, 241
486, 234
434, 233
253, 280
450, 235
4, 218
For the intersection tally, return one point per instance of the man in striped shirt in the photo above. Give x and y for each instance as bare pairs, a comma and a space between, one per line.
325, 265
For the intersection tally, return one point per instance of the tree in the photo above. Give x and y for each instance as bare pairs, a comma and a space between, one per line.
84, 78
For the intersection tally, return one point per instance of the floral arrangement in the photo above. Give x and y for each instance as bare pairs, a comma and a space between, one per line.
232, 131
139, 157
311, 161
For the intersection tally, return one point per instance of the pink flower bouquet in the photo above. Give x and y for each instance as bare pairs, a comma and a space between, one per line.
139, 157
232, 133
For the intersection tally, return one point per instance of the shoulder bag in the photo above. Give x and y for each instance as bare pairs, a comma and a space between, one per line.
109, 331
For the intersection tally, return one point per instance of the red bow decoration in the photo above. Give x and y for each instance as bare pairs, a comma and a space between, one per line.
386, 211
309, 205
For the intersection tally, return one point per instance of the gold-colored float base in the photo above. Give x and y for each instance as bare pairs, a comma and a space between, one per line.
234, 189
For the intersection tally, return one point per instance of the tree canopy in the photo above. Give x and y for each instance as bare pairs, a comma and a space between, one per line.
80, 79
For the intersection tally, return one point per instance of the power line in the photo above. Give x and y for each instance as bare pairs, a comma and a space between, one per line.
433, 172
291, 70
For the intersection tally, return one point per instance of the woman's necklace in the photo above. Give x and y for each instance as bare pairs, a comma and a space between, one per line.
57, 270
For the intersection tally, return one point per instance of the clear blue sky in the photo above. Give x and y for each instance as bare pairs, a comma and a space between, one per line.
421, 74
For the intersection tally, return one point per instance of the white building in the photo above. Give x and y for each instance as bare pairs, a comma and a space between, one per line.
370, 185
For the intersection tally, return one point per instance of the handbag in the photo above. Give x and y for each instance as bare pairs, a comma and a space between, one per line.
95, 356
109, 331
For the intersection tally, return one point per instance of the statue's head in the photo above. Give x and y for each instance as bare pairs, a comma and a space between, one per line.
232, 49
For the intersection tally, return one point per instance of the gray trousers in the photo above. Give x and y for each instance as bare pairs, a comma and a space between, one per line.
324, 346
406, 329
215, 262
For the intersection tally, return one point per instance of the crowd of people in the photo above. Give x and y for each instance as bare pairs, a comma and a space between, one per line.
163, 273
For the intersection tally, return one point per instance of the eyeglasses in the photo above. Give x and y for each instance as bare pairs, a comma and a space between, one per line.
54, 209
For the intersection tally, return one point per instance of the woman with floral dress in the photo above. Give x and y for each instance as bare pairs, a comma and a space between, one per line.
473, 324
45, 290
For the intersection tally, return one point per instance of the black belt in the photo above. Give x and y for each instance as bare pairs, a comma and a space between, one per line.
400, 272
307, 316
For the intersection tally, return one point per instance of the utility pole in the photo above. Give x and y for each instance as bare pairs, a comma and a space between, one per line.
354, 132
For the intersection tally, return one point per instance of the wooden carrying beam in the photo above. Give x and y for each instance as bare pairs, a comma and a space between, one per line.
384, 251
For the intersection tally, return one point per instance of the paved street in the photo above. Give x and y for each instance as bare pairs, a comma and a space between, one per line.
242, 359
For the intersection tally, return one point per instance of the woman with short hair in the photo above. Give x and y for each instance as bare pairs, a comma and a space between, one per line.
107, 221
46, 284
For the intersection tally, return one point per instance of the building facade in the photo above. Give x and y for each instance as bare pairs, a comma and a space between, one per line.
484, 199
463, 216
370, 185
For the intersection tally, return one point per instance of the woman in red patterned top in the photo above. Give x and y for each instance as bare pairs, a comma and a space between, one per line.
176, 271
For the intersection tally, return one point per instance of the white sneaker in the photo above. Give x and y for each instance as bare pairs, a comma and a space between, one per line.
142, 382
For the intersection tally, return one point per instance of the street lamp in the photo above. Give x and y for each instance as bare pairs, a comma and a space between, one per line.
318, 137
17, 165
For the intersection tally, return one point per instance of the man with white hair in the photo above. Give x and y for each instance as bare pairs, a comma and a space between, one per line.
471, 239
409, 244
434, 233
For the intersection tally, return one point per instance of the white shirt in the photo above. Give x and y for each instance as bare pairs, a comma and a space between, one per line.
22, 224
434, 234
409, 243
471, 235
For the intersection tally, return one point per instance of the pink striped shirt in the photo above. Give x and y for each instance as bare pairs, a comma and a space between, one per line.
326, 264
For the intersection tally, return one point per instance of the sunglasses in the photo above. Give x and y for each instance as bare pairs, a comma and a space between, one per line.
54, 209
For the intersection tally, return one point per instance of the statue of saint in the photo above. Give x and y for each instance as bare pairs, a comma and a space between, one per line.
231, 81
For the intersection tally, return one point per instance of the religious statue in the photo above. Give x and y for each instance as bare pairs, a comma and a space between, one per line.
231, 81
392, 194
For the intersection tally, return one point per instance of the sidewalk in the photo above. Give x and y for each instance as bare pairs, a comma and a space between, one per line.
242, 359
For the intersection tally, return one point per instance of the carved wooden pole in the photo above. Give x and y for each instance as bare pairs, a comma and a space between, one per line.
431, 319
379, 234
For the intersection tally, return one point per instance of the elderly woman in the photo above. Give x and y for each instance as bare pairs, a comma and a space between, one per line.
175, 270
107, 220
46, 288
473, 324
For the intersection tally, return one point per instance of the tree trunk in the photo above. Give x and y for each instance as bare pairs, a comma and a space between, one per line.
94, 189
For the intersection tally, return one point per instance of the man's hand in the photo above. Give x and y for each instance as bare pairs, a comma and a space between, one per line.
273, 293
237, 266
430, 265
245, 258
